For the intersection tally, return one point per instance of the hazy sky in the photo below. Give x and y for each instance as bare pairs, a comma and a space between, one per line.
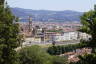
77, 5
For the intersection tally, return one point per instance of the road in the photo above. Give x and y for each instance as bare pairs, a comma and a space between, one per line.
57, 43
47, 43
68, 42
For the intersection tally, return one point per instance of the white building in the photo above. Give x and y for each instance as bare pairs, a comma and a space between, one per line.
84, 36
71, 34
66, 36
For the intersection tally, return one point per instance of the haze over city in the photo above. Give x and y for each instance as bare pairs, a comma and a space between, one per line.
57, 5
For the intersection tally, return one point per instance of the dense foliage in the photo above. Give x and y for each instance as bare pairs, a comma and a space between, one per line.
88, 21
57, 50
59, 60
86, 59
9, 36
36, 55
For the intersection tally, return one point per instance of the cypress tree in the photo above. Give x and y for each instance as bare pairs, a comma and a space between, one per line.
9, 36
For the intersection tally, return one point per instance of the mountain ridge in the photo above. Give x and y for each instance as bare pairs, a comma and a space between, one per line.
48, 15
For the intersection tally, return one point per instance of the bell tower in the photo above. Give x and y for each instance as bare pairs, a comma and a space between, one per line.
30, 23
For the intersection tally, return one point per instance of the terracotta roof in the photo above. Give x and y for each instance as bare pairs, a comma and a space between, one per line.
69, 29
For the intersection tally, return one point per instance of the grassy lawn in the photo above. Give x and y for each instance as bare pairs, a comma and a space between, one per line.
45, 45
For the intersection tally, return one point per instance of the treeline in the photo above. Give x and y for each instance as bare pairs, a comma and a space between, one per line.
61, 49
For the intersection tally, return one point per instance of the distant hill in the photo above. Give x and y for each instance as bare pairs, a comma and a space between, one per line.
47, 15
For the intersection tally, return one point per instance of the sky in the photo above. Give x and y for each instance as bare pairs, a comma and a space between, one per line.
56, 5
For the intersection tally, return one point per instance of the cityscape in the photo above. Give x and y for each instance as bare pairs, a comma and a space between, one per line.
47, 32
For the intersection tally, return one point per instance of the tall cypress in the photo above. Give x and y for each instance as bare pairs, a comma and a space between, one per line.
9, 36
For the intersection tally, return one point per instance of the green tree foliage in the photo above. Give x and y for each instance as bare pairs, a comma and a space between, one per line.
9, 36
57, 50
86, 59
1, 2
36, 55
88, 21
59, 60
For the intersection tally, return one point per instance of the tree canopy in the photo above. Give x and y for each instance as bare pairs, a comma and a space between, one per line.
88, 21
9, 35
36, 55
